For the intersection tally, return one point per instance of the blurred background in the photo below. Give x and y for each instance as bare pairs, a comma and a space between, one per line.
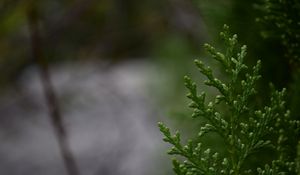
83, 83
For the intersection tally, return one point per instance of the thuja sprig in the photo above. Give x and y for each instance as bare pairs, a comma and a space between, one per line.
244, 129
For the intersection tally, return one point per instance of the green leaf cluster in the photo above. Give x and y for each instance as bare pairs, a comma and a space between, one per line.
244, 128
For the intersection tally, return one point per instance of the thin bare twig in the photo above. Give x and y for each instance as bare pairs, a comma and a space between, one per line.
51, 99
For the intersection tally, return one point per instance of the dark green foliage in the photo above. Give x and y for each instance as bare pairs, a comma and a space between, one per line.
244, 129
282, 19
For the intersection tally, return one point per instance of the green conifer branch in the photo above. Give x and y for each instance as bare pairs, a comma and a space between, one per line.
244, 129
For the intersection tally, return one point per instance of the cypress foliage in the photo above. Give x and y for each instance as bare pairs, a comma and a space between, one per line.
244, 128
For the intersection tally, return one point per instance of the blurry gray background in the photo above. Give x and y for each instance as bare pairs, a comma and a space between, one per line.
116, 67
109, 114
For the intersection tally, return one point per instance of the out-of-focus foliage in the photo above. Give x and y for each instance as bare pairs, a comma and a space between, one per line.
282, 20
88, 29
